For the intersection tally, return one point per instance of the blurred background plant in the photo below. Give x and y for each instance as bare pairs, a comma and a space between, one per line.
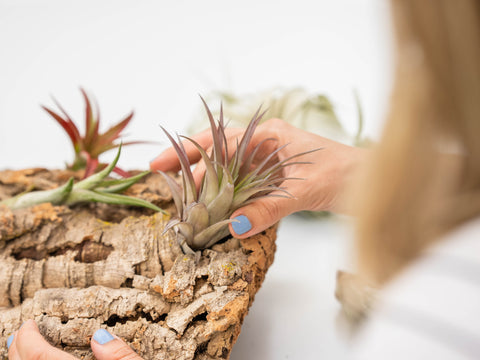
308, 111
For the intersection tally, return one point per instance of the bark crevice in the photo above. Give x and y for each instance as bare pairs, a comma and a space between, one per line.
73, 272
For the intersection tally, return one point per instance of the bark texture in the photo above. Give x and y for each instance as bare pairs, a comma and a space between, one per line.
75, 270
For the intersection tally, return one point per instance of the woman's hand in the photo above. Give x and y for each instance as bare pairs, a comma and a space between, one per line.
324, 179
28, 344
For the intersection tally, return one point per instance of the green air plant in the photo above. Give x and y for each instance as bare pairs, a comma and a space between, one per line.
92, 144
95, 188
230, 182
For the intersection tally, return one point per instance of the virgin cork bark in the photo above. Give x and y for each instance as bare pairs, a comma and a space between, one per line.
75, 270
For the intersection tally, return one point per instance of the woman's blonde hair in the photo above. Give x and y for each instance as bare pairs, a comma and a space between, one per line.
424, 177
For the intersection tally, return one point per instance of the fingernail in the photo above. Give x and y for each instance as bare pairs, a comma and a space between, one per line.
102, 336
9, 341
242, 225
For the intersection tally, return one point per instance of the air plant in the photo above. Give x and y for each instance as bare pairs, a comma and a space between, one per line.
95, 188
92, 144
312, 112
230, 182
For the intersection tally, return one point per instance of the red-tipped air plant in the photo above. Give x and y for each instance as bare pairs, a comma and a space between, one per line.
92, 144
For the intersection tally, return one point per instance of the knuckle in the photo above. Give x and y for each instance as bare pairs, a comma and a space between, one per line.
270, 211
275, 127
274, 122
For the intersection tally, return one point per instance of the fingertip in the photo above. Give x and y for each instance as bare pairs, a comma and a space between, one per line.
102, 336
153, 164
166, 161
244, 226
260, 215
106, 346
156, 163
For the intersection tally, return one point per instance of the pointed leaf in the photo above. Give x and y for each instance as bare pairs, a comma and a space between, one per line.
245, 141
217, 143
83, 195
119, 185
93, 180
176, 191
245, 195
197, 216
186, 232
211, 235
247, 164
219, 207
114, 132
90, 122
209, 187
189, 189
69, 128
54, 196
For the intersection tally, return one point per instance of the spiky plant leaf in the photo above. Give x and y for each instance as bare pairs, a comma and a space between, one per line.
92, 189
92, 144
228, 184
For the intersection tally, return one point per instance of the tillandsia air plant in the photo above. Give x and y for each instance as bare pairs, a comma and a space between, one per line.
92, 144
229, 182
313, 112
95, 188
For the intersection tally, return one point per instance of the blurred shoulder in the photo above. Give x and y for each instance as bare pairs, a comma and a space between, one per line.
432, 309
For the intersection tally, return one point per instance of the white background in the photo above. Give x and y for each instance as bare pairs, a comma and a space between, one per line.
156, 57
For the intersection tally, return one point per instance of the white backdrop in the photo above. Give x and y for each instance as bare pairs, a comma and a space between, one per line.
156, 57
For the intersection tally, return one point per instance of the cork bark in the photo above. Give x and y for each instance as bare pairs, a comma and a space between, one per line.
75, 270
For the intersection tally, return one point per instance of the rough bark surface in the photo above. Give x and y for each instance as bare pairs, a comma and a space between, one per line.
75, 270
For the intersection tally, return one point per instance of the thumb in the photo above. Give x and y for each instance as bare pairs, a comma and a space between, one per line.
260, 215
28, 343
105, 346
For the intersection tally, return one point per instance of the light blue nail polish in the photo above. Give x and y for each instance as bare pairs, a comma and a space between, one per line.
9, 341
102, 336
242, 225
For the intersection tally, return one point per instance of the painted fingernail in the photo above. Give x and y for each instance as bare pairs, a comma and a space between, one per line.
9, 341
241, 225
102, 336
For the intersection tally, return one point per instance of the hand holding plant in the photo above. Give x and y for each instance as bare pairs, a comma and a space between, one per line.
323, 180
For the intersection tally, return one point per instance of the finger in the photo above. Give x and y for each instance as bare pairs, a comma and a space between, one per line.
28, 344
260, 215
105, 346
198, 173
168, 159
